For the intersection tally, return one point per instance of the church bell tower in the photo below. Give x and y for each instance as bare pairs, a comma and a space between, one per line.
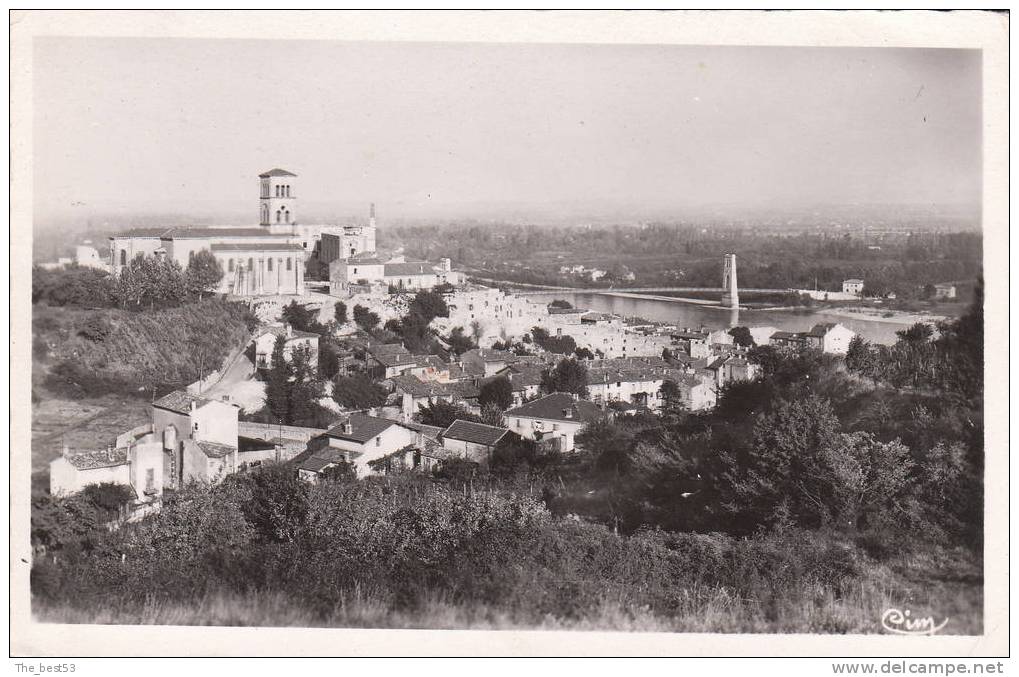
277, 204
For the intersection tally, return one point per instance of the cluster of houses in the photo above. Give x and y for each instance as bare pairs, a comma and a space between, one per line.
195, 438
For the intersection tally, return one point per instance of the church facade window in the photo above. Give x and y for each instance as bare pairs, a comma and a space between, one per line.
123, 257
289, 264
270, 265
230, 265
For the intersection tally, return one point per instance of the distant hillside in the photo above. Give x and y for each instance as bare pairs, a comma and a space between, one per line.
81, 353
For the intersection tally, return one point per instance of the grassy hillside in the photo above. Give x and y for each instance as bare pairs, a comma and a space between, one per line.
85, 352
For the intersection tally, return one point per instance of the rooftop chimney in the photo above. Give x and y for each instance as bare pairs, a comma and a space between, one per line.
348, 428
567, 413
193, 405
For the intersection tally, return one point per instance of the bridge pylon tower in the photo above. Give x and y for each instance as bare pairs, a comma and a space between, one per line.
730, 290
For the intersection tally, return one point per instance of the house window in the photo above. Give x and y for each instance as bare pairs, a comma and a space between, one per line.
555, 426
150, 480
123, 257
378, 441
277, 216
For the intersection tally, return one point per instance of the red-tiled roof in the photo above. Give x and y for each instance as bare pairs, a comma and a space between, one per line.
478, 433
180, 401
216, 450
317, 460
552, 407
488, 355
363, 428
102, 458
412, 385
282, 331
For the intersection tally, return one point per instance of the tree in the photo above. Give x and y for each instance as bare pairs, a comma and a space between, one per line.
920, 332
498, 391
340, 312
608, 444
364, 318
583, 353
560, 345
459, 343
302, 318
305, 389
278, 507
742, 337
358, 392
108, 496
428, 305
151, 280
568, 376
58, 523
340, 471
801, 466
203, 273
491, 414
442, 414
672, 398
560, 303
859, 358
277, 387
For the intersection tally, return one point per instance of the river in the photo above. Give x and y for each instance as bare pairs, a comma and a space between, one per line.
686, 314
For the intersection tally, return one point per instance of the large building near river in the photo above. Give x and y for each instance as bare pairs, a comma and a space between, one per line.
257, 260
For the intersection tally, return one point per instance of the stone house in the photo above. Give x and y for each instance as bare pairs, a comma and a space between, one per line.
359, 440
265, 343
830, 337
474, 441
554, 420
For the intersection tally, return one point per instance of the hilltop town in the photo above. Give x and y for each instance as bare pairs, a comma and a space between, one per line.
504, 366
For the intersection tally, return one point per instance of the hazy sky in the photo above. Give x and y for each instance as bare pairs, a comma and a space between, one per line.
418, 128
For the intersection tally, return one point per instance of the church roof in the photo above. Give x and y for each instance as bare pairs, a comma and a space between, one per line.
409, 268
276, 172
200, 232
256, 247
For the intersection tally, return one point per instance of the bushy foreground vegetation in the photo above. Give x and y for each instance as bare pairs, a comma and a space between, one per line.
97, 352
407, 553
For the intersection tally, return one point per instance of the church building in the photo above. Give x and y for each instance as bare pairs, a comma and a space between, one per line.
257, 260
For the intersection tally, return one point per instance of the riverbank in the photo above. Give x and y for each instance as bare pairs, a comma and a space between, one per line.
884, 315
